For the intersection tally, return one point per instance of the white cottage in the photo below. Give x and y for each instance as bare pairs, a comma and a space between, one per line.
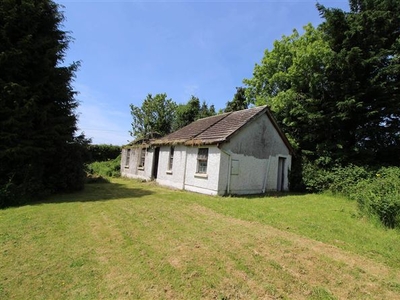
242, 152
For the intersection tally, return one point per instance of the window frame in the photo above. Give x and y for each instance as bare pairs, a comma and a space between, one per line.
202, 161
127, 158
171, 158
142, 158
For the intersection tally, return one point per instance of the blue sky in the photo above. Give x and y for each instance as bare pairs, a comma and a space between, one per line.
129, 49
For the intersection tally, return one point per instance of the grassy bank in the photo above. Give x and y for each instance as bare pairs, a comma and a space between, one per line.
130, 240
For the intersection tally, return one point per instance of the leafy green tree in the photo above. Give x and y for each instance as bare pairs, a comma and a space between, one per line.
335, 89
238, 102
192, 111
206, 111
37, 104
292, 80
187, 113
155, 116
365, 76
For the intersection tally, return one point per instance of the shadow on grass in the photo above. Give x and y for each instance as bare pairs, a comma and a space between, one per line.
98, 192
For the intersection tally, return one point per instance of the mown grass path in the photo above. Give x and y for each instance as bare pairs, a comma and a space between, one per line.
131, 240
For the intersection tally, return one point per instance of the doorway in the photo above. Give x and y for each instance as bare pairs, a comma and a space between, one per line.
155, 163
281, 174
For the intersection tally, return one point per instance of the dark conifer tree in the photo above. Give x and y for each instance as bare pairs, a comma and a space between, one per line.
238, 102
364, 77
38, 150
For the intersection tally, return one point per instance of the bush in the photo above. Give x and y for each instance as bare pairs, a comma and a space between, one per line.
379, 197
25, 185
110, 168
68, 173
345, 179
103, 152
315, 179
28, 178
377, 191
338, 179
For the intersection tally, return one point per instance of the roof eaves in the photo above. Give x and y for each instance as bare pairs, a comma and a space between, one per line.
194, 142
165, 142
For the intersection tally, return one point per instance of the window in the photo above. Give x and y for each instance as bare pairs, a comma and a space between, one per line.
171, 158
202, 158
142, 157
127, 158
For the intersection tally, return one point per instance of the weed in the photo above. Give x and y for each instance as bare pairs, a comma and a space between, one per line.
109, 168
380, 197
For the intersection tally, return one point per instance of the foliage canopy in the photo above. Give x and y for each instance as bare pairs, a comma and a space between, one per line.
334, 89
159, 115
155, 116
238, 102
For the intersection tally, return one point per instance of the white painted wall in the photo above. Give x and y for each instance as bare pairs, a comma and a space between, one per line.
174, 177
257, 175
133, 171
224, 173
256, 148
148, 164
250, 177
272, 178
202, 183
130, 169
259, 139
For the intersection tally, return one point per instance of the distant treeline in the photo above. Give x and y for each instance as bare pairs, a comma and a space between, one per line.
103, 152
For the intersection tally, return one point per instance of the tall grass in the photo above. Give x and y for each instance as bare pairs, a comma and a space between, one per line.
109, 168
379, 197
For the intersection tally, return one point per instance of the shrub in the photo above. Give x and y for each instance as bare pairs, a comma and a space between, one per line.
103, 152
345, 179
68, 173
379, 197
23, 186
377, 191
338, 179
315, 179
110, 168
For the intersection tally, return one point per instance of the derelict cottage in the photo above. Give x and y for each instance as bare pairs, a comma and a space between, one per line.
241, 152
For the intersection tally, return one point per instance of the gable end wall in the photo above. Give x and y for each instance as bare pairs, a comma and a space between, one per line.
253, 159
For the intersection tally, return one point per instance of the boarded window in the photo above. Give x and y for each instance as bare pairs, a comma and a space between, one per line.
142, 157
235, 167
171, 158
202, 158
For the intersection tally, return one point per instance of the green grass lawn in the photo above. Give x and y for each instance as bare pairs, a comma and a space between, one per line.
132, 240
